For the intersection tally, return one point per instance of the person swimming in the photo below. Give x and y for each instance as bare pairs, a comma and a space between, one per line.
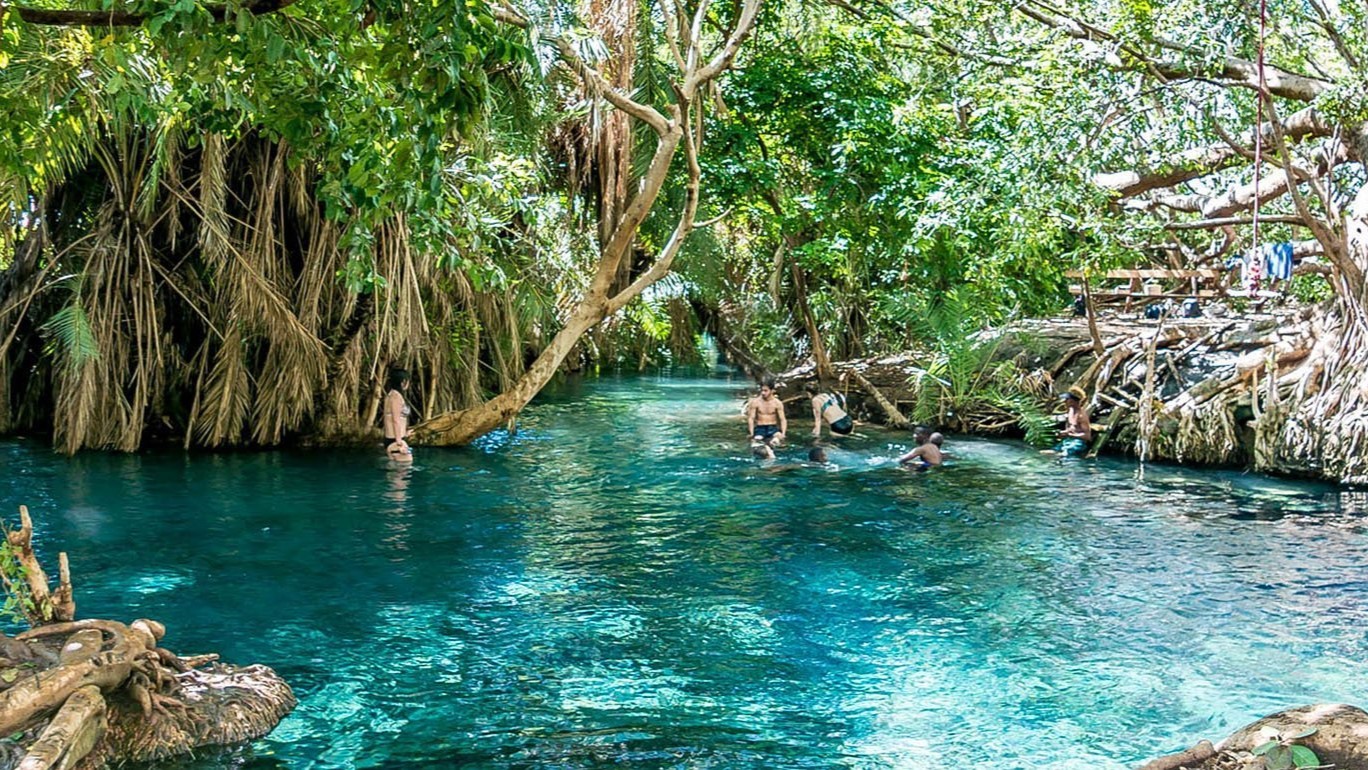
926, 456
1077, 433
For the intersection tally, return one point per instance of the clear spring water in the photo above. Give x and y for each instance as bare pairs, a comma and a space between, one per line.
621, 585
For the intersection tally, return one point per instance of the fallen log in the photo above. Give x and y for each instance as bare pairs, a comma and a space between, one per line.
895, 417
1192, 757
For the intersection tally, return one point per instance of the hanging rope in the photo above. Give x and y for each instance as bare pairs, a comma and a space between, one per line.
1255, 254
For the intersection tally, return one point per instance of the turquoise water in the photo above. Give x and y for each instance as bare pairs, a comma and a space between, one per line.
620, 584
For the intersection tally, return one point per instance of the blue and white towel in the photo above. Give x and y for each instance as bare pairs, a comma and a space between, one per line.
1278, 261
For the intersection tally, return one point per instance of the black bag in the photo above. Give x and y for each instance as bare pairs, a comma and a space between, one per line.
1156, 310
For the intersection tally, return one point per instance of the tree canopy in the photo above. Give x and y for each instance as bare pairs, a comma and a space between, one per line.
208, 194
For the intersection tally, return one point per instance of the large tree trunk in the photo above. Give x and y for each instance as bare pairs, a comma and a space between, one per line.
680, 126
466, 425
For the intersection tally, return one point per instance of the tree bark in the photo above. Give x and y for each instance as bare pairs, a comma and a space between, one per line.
819, 352
1197, 163
78, 726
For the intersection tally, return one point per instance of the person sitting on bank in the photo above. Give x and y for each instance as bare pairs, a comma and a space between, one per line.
828, 407
926, 456
765, 418
396, 418
1077, 433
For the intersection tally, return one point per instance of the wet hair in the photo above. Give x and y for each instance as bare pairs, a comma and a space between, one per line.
398, 378
936, 438
767, 382
763, 451
817, 455
921, 430
812, 388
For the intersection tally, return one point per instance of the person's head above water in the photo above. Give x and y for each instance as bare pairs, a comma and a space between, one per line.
817, 455
919, 434
767, 386
762, 451
936, 438
398, 380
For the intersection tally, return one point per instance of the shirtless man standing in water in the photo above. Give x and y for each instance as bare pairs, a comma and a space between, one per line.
765, 418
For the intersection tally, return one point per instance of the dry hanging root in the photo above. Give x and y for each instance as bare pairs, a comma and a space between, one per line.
89, 692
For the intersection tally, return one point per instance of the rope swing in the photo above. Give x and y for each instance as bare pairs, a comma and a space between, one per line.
1255, 257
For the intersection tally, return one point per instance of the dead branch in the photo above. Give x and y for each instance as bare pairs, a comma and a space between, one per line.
1190, 758
895, 417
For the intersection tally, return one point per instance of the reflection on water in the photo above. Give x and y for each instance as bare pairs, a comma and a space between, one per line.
620, 583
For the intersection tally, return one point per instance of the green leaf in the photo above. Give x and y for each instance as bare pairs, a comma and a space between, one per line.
1304, 757
1262, 749
275, 46
1279, 758
1303, 734
9, 675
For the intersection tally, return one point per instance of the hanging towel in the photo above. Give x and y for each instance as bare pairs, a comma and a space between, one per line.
1278, 261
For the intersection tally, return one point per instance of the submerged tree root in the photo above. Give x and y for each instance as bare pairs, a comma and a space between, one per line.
87, 693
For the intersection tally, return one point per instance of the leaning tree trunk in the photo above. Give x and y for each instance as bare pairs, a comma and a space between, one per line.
679, 126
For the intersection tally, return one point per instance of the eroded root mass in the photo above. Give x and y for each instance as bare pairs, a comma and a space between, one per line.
89, 693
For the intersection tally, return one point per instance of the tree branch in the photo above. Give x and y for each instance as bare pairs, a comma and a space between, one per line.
1331, 241
1243, 196
744, 26
1201, 161
1215, 224
1234, 71
112, 18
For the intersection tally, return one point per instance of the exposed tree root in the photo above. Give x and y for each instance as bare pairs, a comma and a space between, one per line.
86, 693
1284, 393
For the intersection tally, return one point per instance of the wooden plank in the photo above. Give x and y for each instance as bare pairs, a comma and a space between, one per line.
1100, 439
1150, 273
1200, 293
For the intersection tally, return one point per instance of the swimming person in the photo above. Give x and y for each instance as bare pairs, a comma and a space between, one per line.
395, 418
765, 418
817, 455
1077, 433
926, 456
831, 408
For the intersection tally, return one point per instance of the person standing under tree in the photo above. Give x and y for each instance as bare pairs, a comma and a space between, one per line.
395, 418
765, 420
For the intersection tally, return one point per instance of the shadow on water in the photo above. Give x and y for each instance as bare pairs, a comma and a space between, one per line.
619, 582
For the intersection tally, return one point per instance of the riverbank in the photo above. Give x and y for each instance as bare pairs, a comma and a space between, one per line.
1229, 391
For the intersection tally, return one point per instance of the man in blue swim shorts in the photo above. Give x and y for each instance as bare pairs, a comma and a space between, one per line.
765, 420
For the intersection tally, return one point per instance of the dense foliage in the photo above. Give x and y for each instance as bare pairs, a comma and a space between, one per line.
226, 221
